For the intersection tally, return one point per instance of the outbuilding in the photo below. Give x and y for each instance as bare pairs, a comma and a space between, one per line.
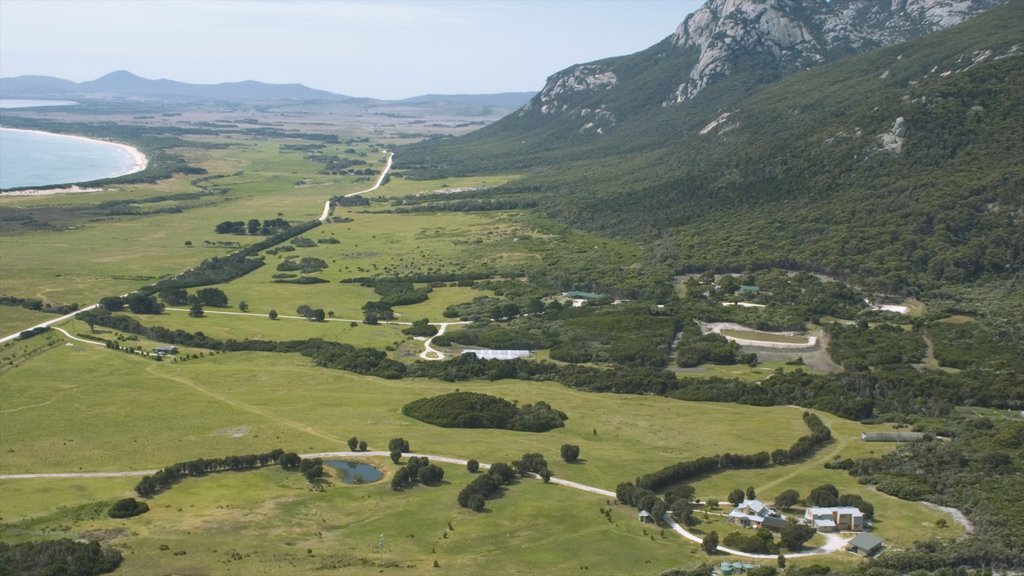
865, 544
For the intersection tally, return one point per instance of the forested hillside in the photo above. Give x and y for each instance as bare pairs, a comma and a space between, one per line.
899, 168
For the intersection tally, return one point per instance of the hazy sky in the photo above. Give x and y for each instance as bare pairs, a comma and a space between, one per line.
376, 48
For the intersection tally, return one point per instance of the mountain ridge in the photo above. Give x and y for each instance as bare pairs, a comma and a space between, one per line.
816, 171
123, 84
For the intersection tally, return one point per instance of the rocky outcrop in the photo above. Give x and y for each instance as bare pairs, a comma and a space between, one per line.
766, 39
796, 34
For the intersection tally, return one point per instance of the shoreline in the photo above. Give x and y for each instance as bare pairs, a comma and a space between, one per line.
139, 162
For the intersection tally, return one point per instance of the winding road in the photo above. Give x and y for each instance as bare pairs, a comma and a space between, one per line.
380, 180
835, 542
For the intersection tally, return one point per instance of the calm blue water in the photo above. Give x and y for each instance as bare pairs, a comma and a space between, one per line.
40, 159
355, 472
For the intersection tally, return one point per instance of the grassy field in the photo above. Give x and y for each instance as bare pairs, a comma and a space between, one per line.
16, 318
62, 410
94, 257
739, 371
69, 406
397, 187
764, 337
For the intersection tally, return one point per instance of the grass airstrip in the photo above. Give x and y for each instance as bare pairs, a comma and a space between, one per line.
74, 407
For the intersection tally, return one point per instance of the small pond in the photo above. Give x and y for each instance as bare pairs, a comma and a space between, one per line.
355, 472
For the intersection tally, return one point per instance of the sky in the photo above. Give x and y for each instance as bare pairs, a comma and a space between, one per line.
388, 49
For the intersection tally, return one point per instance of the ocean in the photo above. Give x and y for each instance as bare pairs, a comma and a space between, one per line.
44, 159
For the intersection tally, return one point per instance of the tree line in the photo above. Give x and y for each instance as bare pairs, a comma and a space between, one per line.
170, 475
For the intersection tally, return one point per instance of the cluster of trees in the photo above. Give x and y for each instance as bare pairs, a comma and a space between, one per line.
136, 302
350, 201
357, 444
219, 270
306, 265
495, 337
335, 355
696, 349
393, 292
38, 305
974, 471
127, 507
204, 297
863, 395
679, 500
63, 556
311, 468
464, 205
421, 328
858, 346
475, 410
532, 463
32, 332
760, 541
570, 452
418, 470
487, 485
311, 314
167, 477
253, 227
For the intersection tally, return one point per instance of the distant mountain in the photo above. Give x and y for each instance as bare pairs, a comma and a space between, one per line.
899, 167
125, 85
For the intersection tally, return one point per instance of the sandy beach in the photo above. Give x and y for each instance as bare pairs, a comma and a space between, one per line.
138, 164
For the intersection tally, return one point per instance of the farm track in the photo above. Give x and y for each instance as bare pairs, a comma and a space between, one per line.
835, 542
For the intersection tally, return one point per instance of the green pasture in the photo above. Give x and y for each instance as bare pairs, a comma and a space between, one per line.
741, 372
440, 298
80, 408
284, 401
15, 318
444, 189
764, 336
86, 260
270, 522
257, 326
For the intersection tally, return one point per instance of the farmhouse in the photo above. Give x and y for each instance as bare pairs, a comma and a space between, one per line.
164, 350
834, 519
751, 514
645, 517
865, 544
579, 298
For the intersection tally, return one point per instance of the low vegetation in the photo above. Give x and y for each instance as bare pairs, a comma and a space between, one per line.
474, 410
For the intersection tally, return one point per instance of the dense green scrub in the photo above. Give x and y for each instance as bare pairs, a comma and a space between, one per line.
474, 410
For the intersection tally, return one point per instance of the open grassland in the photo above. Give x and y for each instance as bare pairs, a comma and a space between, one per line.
440, 298
270, 522
284, 401
257, 326
91, 409
447, 188
90, 257
738, 371
764, 336
16, 318
377, 245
